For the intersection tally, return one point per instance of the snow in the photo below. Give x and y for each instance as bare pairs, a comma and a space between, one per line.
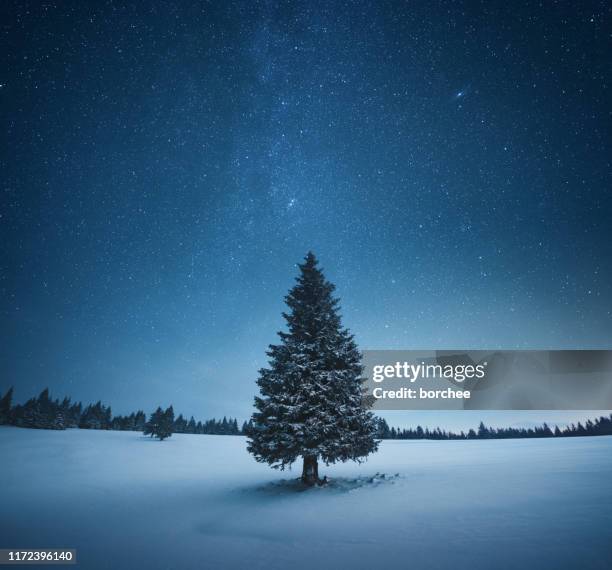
195, 501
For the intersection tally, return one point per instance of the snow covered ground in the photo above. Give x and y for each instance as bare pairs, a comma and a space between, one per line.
196, 502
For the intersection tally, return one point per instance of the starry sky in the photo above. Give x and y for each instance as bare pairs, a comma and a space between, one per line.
166, 165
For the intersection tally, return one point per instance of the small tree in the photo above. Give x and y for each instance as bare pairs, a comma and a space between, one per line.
191, 426
152, 425
166, 427
161, 424
5, 406
312, 398
180, 425
140, 420
483, 431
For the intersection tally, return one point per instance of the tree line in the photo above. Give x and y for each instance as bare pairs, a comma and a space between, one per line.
598, 426
43, 412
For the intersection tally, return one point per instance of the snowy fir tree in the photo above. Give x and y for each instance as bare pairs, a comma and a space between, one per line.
152, 425
161, 424
166, 426
191, 425
180, 424
5, 406
39, 413
97, 416
312, 399
483, 431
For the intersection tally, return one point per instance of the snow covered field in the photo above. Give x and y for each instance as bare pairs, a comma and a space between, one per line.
125, 501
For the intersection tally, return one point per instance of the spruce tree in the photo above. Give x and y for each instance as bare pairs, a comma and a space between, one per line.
44, 414
312, 398
5, 406
180, 425
191, 426
140, 420
152, 425
161, 424
483, 431
166, 426
382, 429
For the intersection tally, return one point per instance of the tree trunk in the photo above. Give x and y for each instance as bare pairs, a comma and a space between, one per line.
310, 470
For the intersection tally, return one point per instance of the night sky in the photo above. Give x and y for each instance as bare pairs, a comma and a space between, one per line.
165, 167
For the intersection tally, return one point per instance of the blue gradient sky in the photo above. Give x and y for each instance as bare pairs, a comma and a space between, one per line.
165, 167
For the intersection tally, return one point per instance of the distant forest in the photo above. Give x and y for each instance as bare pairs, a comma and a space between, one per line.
44, 412
599, 426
